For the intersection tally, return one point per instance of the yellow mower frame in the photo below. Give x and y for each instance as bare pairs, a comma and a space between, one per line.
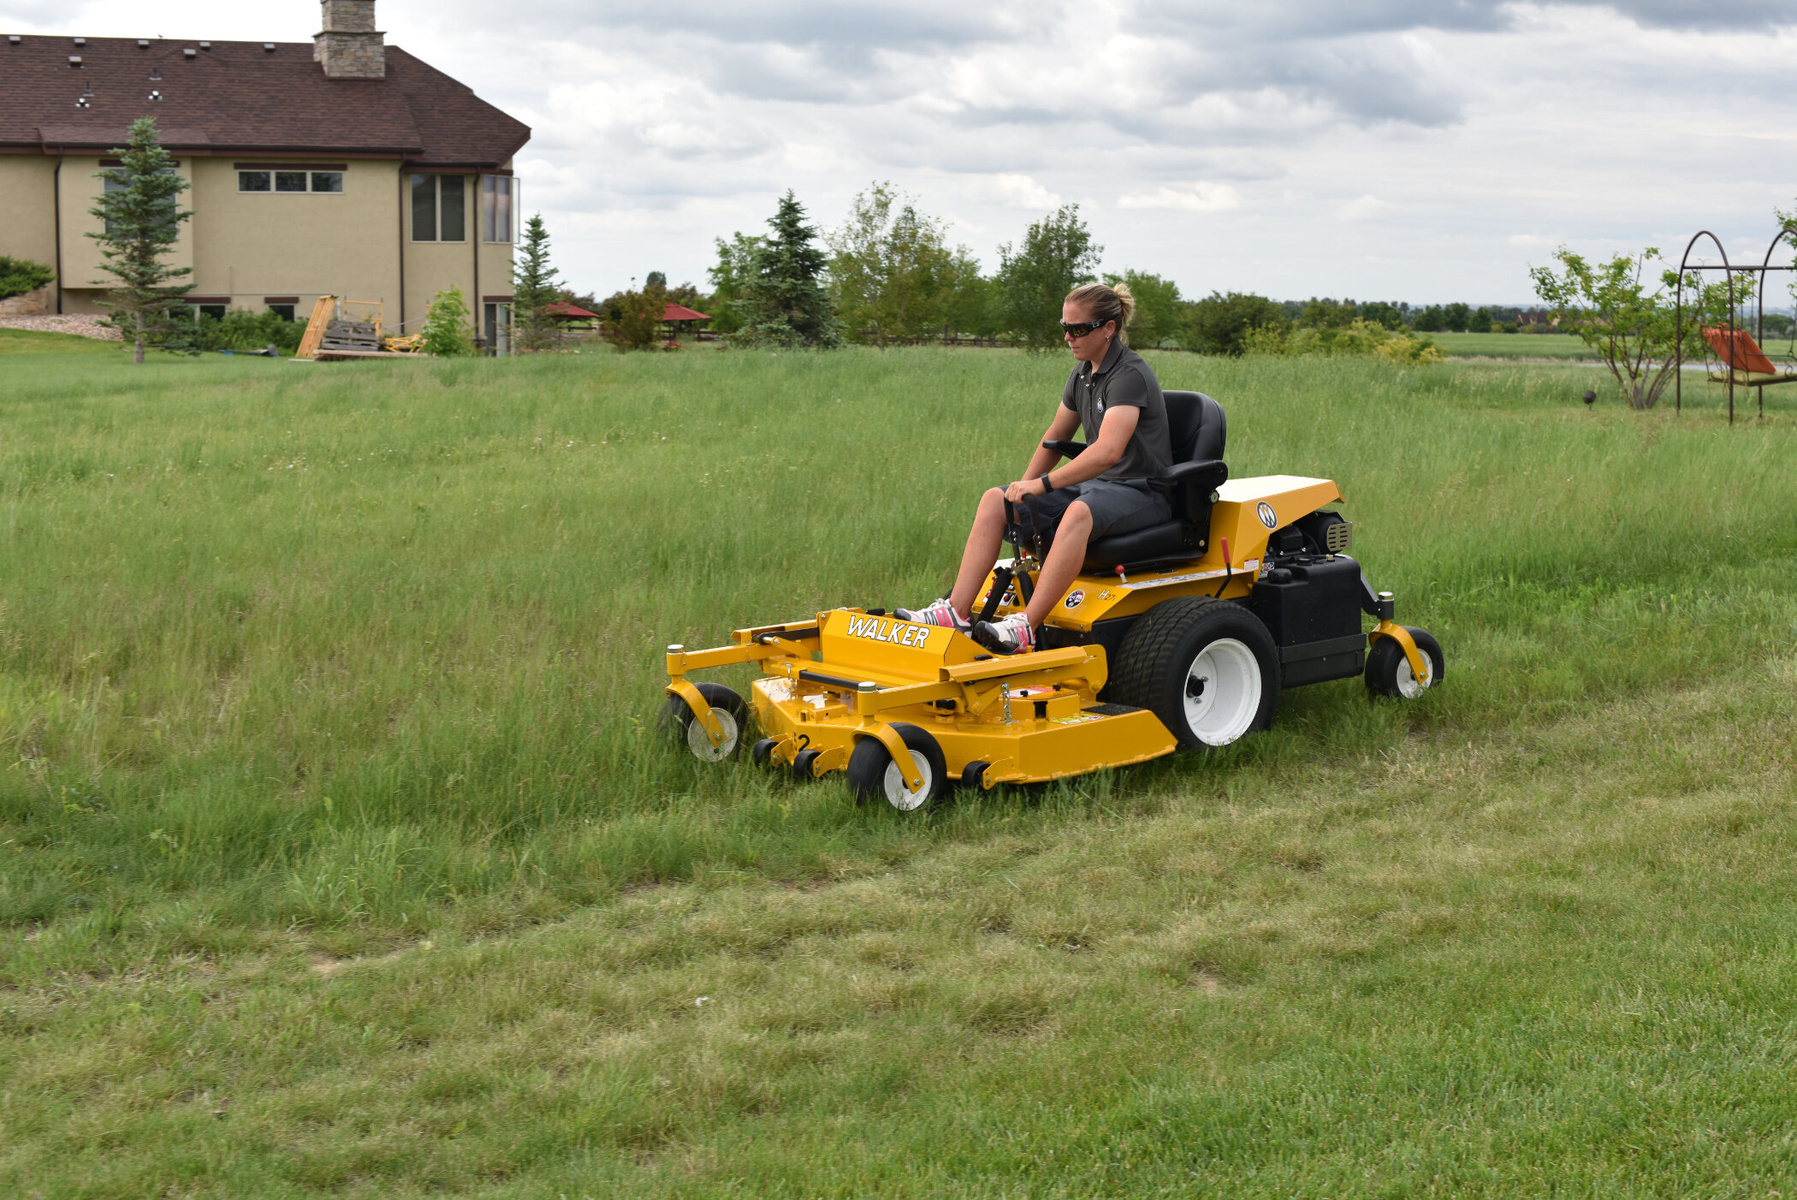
852, 675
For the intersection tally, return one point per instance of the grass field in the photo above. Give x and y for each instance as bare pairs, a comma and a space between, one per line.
336, 857
26, 341
1512, 345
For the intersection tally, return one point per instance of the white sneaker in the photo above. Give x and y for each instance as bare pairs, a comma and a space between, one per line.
940, 613
1008, 635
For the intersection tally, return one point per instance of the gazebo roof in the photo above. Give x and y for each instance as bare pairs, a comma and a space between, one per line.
680, 312
561, 308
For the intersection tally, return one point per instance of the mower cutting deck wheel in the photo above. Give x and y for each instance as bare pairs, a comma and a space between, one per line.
873, 775
1207, 668
732, 714
1388, 670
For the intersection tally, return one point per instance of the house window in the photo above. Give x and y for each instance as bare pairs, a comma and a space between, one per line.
498, 208
113, 185
283, 311
215, 311
291, 182
439, 208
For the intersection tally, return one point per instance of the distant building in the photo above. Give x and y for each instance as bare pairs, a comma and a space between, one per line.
346, 167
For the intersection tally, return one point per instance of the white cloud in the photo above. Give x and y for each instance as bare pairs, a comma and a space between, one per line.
1020, 191
1195, 197
1366, 208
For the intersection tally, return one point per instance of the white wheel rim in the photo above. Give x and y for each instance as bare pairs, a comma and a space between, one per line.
1222, 692
896, 793
1409, 686
701, 746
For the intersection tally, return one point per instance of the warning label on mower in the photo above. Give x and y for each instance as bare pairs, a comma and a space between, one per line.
896, 633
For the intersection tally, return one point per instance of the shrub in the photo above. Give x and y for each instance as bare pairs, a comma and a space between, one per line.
242, 329
1360, 339
447, 333
21, 275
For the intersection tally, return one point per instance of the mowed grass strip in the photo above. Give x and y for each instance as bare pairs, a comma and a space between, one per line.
1513, 345
338, 855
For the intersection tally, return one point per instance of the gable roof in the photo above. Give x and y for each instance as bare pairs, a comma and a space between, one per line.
242, 98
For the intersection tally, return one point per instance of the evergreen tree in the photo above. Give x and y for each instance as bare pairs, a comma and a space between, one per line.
533, 288
787, 303
142, 220
1057, 256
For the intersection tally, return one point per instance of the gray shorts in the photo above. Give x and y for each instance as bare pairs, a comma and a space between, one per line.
1117, 507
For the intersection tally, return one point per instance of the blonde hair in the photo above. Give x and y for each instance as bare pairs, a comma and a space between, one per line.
1106, 302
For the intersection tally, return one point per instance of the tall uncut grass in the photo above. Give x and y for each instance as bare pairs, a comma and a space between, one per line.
325, 660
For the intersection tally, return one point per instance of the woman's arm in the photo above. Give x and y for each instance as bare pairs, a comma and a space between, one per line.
1097, 458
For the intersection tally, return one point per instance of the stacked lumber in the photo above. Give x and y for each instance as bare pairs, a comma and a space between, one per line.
315, 328
351, 335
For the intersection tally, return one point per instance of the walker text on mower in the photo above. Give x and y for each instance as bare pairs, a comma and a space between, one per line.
1176, 635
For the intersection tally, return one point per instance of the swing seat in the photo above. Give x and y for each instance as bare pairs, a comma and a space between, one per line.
1743, 360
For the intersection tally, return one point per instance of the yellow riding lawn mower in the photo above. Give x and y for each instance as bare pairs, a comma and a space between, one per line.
1178, 635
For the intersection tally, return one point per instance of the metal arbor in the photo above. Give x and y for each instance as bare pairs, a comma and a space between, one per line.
1678, 334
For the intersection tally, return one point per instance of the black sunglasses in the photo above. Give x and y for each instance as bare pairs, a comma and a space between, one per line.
1081, 328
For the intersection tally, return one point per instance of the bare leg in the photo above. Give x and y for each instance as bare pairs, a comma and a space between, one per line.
987, 535
1064, 561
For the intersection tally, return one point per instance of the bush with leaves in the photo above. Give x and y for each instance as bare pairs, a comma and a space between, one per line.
892, 273
447, 331
21, 275
1158, 307
1360, 338
242, 329
633, 319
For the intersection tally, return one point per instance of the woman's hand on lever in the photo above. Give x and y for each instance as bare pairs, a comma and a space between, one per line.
1024, 487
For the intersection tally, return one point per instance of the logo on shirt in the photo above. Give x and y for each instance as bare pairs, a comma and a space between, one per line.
1267, 516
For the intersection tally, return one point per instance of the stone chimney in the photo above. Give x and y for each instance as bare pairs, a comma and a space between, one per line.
349, 45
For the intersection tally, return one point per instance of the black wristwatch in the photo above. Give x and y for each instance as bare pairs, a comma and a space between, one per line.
1047, 483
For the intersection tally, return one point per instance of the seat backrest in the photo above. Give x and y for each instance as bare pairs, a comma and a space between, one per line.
1195, 426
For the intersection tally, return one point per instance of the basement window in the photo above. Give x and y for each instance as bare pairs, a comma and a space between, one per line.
283, 311
439, 208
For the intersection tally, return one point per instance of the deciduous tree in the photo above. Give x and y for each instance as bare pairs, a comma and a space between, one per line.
1221, 322
1057, 255
1157, 307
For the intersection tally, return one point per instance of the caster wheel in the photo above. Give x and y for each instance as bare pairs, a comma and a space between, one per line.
678, 720
873, 774
762, 752
1388, 671
804, 764
973, 775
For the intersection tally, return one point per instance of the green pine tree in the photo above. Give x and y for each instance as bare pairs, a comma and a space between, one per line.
142, 221
787, 304
533, 288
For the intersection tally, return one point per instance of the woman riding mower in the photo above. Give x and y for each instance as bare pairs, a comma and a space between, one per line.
1114, 395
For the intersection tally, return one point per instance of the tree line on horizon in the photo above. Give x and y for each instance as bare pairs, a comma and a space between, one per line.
889, 275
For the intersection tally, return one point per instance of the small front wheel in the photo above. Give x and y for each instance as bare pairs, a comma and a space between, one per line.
684, 727
873, 775
1388, 670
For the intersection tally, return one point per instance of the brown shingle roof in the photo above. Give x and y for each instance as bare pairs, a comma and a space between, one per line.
238, 98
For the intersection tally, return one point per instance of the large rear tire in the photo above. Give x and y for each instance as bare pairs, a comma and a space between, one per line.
1388, 670
873, 775
684, 728
1207, 668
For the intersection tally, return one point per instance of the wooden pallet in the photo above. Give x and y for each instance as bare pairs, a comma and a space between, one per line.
322, 312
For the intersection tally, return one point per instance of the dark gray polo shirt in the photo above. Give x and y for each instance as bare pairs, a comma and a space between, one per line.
1123, 378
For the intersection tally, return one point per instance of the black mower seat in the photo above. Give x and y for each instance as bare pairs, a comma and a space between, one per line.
1196, 427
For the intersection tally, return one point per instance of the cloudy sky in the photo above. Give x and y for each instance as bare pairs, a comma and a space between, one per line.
1420, 150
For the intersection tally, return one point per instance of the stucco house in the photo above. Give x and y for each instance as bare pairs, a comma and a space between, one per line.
345, 167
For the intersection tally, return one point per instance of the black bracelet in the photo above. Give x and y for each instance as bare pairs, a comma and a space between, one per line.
1047, 483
